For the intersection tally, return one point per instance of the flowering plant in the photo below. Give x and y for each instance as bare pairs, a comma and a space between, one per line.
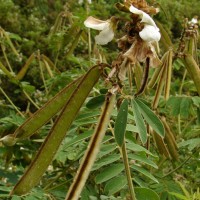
137, 36
138, 44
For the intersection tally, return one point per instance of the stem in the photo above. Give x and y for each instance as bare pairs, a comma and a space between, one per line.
128, 172
89, 45
10, 101
74, 43
180, 164
89, 34
161, 161
41, 71
182, 82
189, 124
58, 185
180, 92
29, 98
10, 43
24, 69
6, 58
47, 187
179, 124
6, 72
126, 165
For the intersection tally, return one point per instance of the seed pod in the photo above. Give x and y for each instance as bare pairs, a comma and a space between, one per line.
57, 133
170, 140
92, 150
162, 148
168, 74
159, 88
193, 70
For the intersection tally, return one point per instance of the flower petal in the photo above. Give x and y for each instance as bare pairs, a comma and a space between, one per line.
96, 24
135, 10
144, 16
105, 36
150, 33
148, 20
193, 21
81, 1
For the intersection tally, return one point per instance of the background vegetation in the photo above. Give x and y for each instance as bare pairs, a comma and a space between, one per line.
44, 44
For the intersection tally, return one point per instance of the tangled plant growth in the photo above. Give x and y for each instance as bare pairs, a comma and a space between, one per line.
126, 128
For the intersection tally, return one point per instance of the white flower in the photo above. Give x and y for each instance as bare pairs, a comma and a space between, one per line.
106, 28
150, 32
194, 20
81, 1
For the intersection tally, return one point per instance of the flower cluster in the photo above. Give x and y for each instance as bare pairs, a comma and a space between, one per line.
140, 39
149, 33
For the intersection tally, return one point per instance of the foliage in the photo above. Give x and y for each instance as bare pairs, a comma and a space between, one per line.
54, 80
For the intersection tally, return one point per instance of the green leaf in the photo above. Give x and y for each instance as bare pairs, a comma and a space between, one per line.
30, 198
109, 173
16, 198
116, 184
174, 103
185, 106
179, 196
196, 101
132, 128
140, 181
85, 122
95, 102
191, 143
106, 149
14, 36
78, 139
87, 114
115, 113
142, 158
105, 161
120, 123
139, 122
137, 148
28, 87
146, 194
144, 172
181, 105
151, 118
